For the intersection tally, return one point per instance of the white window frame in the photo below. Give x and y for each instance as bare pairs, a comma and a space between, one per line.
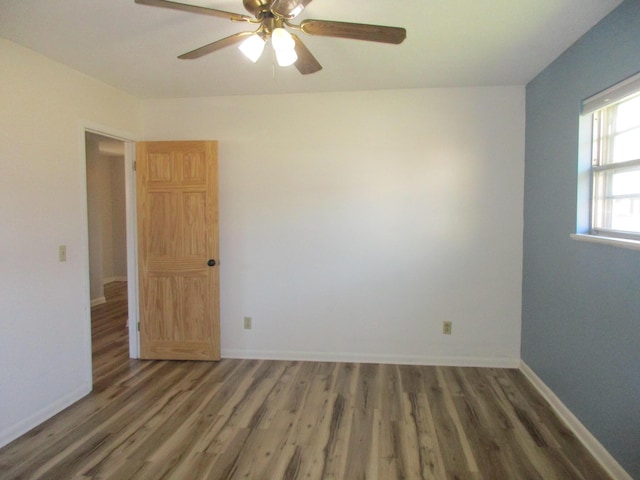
593, 165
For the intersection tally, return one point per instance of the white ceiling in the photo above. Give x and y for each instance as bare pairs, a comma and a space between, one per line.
449, 43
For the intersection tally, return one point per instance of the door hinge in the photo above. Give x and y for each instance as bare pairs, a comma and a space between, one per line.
134, 165
138, 326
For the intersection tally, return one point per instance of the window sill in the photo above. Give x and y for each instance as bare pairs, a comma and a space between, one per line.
612, 241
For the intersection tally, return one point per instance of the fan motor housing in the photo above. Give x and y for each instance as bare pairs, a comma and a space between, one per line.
256, 7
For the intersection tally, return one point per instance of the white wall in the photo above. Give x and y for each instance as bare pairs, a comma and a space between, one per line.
353, 224
95, 179
44, 327
118, 212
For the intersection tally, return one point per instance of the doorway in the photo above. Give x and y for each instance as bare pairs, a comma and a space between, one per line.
106, 212
111, 235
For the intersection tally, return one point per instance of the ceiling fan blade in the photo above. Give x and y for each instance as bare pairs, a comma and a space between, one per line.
217, 45
289, 8
354, 31
196, 9
306, 62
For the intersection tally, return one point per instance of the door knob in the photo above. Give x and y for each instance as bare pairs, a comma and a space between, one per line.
211, 262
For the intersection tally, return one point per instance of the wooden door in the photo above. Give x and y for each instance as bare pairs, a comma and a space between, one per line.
177, 189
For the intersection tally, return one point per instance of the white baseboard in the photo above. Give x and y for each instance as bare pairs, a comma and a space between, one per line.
584, 435
22, 427
98, 301
113, 279
490, 362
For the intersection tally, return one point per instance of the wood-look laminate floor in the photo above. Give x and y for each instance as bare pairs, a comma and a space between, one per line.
251, 419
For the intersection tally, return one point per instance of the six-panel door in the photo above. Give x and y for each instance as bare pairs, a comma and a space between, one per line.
178, 250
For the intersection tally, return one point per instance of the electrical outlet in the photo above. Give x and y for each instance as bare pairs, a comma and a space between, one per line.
62, 253
446, 328
247, 323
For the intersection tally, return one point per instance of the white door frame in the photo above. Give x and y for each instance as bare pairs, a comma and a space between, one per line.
132, 237
132, 248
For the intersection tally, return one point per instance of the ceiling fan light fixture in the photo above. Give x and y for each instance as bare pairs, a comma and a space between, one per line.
253, 47
286, 58
281, 39
284, 46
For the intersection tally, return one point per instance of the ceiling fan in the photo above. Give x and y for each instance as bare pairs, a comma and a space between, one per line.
273, 17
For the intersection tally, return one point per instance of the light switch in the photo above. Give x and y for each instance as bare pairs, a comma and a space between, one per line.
62, 253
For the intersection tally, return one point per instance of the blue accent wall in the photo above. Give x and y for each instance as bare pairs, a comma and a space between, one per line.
581, 301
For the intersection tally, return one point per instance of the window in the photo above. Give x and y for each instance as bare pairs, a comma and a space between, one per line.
614, 117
